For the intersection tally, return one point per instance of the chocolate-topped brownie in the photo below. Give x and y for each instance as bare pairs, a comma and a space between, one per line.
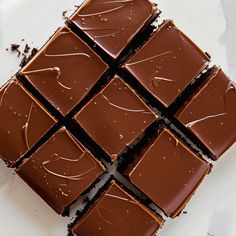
168, 173
117, 213
167, 63
60, 171
115, 117
113, 24
210, 113
64, 70
23, 122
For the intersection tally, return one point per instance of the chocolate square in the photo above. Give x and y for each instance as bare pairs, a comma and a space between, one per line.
23, 121
171, 61
64, 70
117, 213
168, 173
113, 24
210, 114
60, 171
115, 117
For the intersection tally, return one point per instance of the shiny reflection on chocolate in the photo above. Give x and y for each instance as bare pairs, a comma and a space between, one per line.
23, 121
115, 117
171, 61
64, 70
60, 170
117, 213
211, 113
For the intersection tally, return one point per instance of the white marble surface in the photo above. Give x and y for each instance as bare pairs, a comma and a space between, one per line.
212, 24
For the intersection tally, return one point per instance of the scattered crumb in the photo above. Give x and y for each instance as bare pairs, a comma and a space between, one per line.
22, 40
185, 212
26, 58
64, 15
15, 48
27, 49
209, 234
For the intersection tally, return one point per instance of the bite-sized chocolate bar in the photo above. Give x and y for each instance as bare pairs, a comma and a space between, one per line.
64, 70
117, 213
167, 63
113, 24
60, 171
115, 117
210, 114
168, 173
23, 122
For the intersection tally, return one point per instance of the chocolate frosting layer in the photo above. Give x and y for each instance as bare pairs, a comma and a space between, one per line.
117, 213
169, 173
60, 170
115, 117
23, 121
171, 61
210, 114
64, 70
113, 24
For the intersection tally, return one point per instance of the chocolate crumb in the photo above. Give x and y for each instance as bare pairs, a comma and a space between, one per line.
26, 59
15, 47
185, 212
27, 48
64, 15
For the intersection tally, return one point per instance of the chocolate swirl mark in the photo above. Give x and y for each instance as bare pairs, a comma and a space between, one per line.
120, 198
149, 58
53, 69
113, 33
77, 177
123, 3
103, 214
191, 124
123, 108
26, 127
154, 83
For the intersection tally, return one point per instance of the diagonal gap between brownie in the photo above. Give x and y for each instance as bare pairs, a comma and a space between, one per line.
188, 138
145, 96
139, 38
188, 92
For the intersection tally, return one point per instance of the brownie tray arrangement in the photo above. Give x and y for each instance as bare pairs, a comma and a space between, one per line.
110, 92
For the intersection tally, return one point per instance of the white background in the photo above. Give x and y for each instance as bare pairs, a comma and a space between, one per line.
212, 24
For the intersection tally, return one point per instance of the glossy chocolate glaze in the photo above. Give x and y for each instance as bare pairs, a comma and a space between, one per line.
23, 121
168, 173
60, 170
211, 113
116, 213
113, 24
64, 70
171, 61
115, 117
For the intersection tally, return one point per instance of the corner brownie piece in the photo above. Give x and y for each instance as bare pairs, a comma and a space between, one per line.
210, 114
168, 173
60, 171
115, 117
113, 24
117, 213
171, 61
23, 121
64, 70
